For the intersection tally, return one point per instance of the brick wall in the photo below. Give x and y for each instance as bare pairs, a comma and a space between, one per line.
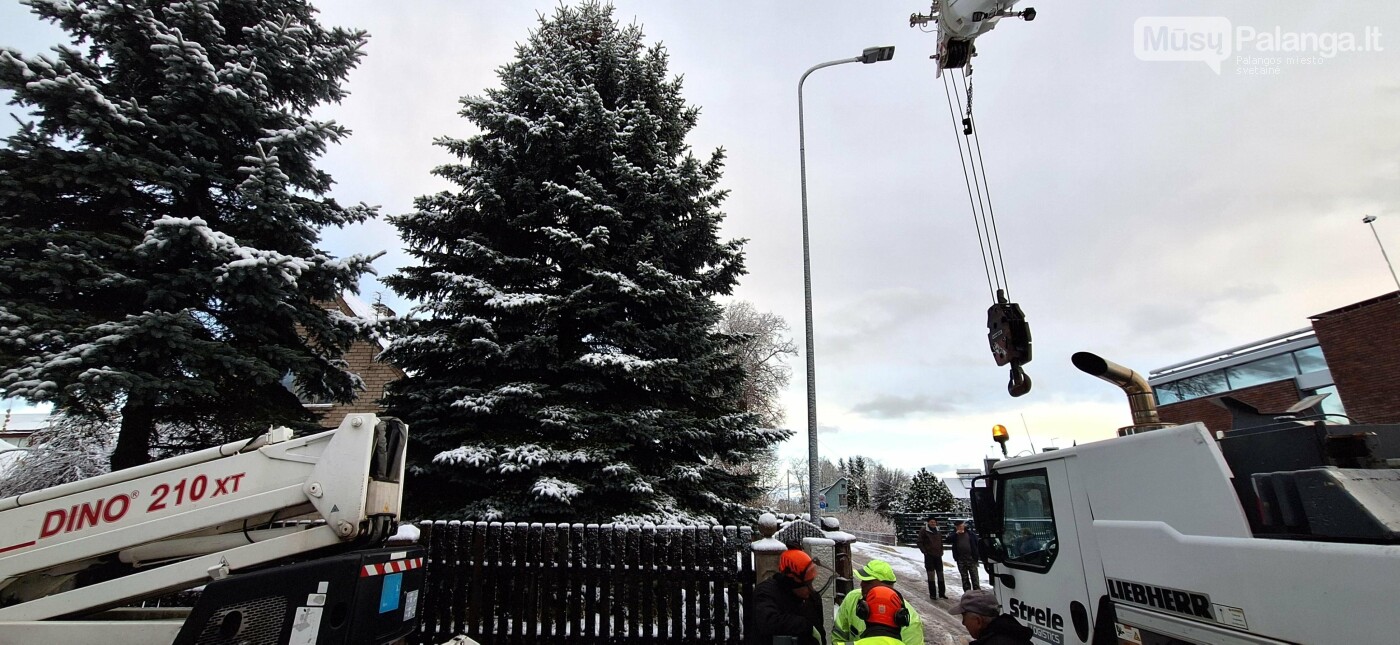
1269, 397
360, 360
1360, 344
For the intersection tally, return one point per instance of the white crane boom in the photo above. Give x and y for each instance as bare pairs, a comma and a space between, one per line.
73, 550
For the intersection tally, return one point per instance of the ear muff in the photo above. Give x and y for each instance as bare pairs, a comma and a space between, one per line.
901, 617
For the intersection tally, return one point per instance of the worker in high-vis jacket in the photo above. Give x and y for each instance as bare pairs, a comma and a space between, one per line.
850, 626
885, 616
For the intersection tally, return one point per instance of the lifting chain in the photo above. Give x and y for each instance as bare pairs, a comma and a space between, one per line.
967, 118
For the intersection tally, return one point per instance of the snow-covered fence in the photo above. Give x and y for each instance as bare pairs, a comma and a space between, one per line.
575, 583
873, 538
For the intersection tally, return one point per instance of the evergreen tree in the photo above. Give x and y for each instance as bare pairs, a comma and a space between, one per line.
859, 491
159, 218
943, 498
927, 494
564, 364
887, 489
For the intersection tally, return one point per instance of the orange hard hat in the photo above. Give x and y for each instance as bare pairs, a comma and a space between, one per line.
883, 606
797, 566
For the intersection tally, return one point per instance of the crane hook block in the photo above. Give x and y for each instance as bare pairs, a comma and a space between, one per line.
1010, 338
1020, 383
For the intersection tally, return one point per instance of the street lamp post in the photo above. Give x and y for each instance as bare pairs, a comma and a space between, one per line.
1371, 221
870, 55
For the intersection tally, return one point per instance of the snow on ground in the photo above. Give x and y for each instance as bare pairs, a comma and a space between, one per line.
940, 627
909, 561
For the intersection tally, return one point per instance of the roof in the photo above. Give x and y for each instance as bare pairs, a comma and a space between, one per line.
958, 486
833, 484
1356, 305
360, 309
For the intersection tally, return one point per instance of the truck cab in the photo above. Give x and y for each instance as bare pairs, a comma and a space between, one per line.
1143, 539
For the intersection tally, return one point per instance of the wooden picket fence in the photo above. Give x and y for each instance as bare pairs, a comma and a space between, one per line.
575, 583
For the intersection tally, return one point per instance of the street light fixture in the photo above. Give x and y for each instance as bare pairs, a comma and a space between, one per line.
870, 55
1371, 221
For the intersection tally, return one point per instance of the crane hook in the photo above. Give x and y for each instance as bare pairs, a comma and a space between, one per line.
1020, 383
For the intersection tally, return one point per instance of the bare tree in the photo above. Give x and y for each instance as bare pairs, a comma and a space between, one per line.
69, 449
827, 474
762, 347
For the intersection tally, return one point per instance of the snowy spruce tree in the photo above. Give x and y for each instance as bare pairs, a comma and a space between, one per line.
858, 493
159, 215
564, 363
887, 488
927, 494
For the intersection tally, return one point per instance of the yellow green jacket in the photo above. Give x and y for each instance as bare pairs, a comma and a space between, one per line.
880, 640
847, 627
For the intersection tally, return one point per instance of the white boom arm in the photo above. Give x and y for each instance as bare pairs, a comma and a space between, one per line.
210, 511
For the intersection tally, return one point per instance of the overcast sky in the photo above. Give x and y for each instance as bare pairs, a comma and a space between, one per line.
1149, 211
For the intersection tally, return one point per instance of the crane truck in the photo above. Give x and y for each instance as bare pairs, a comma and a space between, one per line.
284, 534
1285, 532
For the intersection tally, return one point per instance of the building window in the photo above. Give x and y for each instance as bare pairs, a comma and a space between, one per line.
1264, 370
1310, 359
1238, 377
1200, 385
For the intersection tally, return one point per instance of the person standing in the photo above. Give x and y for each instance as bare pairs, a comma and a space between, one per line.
931, 543
965, 554
849, 625
785, 604
982, 617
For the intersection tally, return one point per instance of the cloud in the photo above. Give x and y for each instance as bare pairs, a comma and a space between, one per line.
899, 407
945, 470
877, 316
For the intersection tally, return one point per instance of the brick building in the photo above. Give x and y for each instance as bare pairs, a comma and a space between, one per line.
360, 360
1348, 354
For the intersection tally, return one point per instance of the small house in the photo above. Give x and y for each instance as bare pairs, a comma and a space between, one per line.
834, 495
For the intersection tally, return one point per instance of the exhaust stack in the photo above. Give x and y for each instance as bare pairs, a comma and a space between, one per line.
1140, 397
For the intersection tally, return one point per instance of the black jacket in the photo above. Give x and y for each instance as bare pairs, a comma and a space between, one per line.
959, 554
930, 542
1004, 630
774, 611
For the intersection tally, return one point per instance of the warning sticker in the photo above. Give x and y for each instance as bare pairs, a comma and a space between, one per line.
306, 626
410, 605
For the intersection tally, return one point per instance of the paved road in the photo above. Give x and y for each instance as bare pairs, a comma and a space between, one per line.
940, 627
